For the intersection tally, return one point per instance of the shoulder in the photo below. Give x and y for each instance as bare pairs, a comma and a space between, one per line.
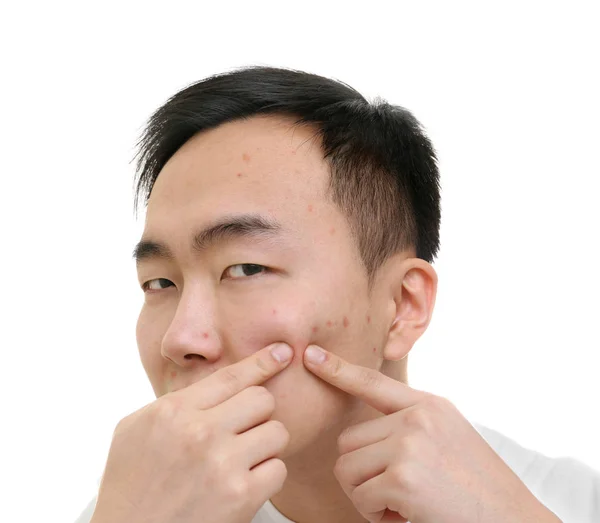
88, 512
567, 486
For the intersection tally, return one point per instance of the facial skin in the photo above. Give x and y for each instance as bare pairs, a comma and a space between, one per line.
208, 315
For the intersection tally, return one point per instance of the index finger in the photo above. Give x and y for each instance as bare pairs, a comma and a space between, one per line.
229, 381
381, 392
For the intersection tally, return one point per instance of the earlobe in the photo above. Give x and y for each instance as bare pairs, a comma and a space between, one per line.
401, 338
412, 302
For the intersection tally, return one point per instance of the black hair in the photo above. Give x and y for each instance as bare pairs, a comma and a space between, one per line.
384, 173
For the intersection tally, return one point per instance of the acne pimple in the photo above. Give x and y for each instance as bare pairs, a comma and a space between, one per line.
329, 324
173, 374
239, 175
246, 157
315, 329
310, 208
274, 312
374, 349
346, 322
205, 335
332, 231
368, 319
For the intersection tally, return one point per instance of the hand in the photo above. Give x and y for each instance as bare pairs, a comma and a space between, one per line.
422, 461
205, 452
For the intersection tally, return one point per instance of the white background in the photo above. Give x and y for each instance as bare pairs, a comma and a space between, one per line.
509, 96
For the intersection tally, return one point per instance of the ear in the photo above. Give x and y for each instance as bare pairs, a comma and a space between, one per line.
412, 298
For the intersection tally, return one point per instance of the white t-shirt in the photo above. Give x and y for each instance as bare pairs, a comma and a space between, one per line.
566, 486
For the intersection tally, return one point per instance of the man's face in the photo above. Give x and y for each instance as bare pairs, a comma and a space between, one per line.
211, 310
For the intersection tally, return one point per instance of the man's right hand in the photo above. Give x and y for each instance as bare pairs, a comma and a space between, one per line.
203, 453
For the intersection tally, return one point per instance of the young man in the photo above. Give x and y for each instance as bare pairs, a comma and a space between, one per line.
284, 210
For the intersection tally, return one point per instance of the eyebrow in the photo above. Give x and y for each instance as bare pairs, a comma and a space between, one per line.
226, 229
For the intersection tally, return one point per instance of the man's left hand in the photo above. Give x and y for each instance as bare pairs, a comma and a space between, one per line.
422, 461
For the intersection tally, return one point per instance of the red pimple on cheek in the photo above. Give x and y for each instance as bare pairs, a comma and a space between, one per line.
239, 175
368, 319
205, 335
332, 231
173, 374
315, 329
374, 349
274, 312
246, 157
346, 322
310, 208
329, 324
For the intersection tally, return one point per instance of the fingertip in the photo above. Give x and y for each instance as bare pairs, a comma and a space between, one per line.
282, 353
315, 354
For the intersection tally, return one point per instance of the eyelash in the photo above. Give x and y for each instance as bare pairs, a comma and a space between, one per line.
145, 285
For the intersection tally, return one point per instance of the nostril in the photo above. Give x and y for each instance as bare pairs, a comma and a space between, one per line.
190, 356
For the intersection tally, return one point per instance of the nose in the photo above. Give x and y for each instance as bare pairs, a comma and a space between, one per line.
192, 334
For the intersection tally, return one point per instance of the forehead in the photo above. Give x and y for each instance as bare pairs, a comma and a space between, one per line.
263, 164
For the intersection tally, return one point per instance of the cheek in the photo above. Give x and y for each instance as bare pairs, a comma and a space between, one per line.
266, 322
149, 332
143, 335
291, 314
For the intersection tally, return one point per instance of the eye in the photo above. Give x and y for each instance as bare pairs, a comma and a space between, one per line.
243, 270
147, 285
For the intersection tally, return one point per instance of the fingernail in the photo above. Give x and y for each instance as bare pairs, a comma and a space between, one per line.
315, 355
282, 352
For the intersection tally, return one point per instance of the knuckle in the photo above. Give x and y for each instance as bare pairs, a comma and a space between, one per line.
358, 497
410, 448
281, 467
263, 395
340, 468
280, 428
197, 439
437, 402
238, 488
361, 498
279, 473
337, 369
401, 477
161, 415
167, 408
444, 404
343, 438
419, 418
221, 462
260, 391
269, 401
263, 369
202, 433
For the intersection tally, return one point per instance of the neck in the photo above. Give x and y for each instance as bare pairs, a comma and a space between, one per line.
312, 493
